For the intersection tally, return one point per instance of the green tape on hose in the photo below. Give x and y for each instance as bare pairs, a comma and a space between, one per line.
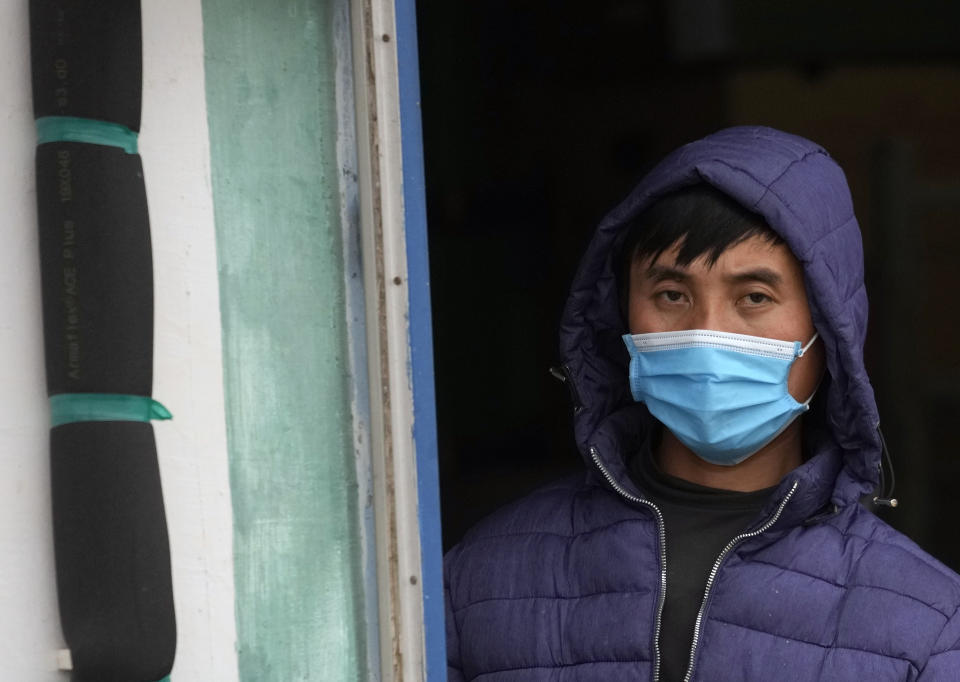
67, 408
72, 129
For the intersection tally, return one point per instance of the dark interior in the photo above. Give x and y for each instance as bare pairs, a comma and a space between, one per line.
540, 116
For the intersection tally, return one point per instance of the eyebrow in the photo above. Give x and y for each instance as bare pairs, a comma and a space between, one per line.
764, 275
659, 273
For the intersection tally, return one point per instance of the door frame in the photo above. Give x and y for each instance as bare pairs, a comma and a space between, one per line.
399, 346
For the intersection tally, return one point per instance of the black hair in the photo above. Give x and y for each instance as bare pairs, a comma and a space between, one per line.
703, 221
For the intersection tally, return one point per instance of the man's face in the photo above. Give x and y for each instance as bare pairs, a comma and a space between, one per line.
754, 288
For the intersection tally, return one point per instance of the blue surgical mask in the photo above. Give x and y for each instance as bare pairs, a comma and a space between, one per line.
722, 395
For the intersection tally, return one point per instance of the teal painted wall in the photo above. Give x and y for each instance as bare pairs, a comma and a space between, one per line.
272, 119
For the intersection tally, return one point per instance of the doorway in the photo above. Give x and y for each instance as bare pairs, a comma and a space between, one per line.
539, 117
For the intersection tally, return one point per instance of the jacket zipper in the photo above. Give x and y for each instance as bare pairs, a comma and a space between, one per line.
661, 528
716, 568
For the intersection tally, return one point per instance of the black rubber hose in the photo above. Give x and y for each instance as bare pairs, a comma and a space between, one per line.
110, 536
86, 59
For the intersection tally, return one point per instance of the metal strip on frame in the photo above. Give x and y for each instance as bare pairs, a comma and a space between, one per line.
421, 341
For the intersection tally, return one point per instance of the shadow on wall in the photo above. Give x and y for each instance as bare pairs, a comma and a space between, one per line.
539, 118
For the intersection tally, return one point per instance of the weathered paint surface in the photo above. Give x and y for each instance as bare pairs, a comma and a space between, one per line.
270, 77
187, 369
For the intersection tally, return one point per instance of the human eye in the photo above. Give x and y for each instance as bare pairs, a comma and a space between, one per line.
755, 298
670, 296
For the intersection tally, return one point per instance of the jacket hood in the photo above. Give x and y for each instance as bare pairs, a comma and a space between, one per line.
803, 196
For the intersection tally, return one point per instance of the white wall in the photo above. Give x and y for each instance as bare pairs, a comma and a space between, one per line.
188, 379
29, 624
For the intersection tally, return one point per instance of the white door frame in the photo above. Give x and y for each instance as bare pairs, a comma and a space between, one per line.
399, 342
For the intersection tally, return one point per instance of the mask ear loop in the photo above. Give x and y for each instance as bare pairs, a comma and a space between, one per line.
803, 350
806, 403
816, 335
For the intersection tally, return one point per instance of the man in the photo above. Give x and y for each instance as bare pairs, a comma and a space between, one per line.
713, 342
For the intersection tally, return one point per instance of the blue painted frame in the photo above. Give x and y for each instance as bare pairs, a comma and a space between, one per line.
421, 342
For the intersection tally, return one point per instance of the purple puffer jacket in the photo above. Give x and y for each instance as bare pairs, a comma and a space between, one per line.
567, 584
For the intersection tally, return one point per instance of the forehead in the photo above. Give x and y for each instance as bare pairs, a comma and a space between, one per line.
751, 253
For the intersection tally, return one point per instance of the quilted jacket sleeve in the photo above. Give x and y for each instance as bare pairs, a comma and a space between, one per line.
944, 664
454, 670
